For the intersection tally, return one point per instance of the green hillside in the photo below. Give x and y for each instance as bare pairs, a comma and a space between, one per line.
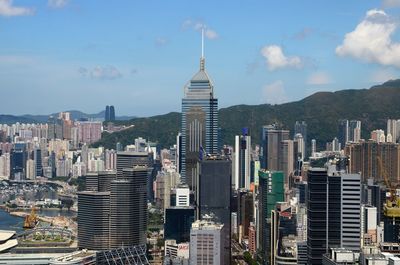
321, 111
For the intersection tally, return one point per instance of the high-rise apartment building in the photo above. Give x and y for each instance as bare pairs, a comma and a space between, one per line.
365, 156
199, 127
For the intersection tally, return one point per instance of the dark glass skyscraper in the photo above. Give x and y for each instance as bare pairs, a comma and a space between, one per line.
333, 212
110, 113
214, 193
199, 128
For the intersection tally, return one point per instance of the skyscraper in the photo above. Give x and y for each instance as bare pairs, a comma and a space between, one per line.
93, 220
112, 113
301, 128
107, 114
199, 127
343, 129
271, 146
214, 193
242, 159
333, 211
271, 191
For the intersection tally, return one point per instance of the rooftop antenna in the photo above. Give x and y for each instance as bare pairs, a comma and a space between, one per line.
202, 49
202, 42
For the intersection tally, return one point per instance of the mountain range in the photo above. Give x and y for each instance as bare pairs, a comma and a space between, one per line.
321, 111
75, 115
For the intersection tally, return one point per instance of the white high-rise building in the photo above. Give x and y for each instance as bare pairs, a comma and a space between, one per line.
206, 243
393, 129
313, 147
182, 196
30, 169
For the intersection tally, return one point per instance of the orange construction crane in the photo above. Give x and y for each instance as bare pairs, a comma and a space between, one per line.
392, 206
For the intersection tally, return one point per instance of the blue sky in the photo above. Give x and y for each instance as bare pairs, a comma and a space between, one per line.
137, 55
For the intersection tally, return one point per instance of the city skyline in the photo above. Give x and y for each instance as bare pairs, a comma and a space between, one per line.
100, 61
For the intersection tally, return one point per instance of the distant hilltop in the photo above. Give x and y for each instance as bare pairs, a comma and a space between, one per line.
321, 111
75, 115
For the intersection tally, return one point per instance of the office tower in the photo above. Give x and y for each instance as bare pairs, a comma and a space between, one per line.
122, 216
104, 180
354, 131
199, 127
313, 147
301, 128
333, 211
242, 160
30, 169
178, 221
107, 114
180, 196
369, 225
179, 148
271, 146
164, 186
37, 157
207, 243
138, 176
317, 240
92, 181
112, 113
271, 191
301, 147
18, 162
289, 158
128, 159
283, 235
93, 220
245, 213
350, 211
51, 128
214, 193
343, 129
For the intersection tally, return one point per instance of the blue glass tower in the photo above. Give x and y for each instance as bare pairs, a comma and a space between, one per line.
199, 128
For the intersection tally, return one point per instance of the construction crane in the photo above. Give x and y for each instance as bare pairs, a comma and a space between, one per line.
392, 206
31, 219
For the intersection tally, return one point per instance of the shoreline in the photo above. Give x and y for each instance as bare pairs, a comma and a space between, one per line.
18, 209
56, 221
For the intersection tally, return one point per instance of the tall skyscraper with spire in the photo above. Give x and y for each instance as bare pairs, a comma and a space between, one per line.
199, 126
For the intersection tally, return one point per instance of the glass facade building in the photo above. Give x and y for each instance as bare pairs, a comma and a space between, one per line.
199, 127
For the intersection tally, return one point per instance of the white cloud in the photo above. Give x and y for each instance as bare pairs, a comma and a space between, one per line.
57, 3
209, 33
371, 41
275, 93
382, 75
319, 78
108, 72
161, 41
391, 3
275, 58
8, 10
